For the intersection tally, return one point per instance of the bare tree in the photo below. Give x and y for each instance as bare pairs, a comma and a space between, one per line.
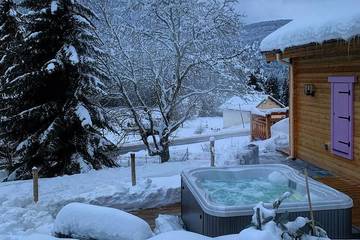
160, 57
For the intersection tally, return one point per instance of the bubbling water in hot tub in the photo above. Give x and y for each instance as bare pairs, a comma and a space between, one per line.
235, 190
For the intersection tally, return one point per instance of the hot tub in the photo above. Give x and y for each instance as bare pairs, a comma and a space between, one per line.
220, 201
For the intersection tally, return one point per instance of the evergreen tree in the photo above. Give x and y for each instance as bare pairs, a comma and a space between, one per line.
254, 83
55, 121
271, 87
10, 40
10, 46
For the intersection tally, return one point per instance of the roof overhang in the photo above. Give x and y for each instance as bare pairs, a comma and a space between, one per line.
327, 48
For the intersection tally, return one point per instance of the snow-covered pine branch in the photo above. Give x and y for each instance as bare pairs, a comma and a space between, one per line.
55, 121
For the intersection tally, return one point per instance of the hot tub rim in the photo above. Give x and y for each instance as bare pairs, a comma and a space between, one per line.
342, 201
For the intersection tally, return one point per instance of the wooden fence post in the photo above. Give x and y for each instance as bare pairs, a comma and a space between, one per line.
252, 127
268, 126
133, 173
35, 173
187, 154
212, 151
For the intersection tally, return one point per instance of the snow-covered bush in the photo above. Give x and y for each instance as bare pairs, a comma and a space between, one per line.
266, 225
238, 154
199, 129
205, 147
83, 221
168, 223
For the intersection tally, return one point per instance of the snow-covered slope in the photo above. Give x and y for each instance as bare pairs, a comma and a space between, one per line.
339, 20
256, 32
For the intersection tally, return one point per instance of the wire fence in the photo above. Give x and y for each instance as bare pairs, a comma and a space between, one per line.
181, 155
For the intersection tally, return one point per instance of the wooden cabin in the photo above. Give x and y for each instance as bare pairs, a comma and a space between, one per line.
237, 110
324, 62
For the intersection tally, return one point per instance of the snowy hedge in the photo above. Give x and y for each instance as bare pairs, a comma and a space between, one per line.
78, 220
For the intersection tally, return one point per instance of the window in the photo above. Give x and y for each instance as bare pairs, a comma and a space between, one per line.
342, 115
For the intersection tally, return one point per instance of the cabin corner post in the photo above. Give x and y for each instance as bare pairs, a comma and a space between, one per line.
291, 110
279, 58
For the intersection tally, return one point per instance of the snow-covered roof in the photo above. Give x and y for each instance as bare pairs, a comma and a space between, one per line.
336, 20
244, 103
264, 112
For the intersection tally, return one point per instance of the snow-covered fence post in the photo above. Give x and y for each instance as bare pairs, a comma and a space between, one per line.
212, 151
258, 219
133, 173
35, 173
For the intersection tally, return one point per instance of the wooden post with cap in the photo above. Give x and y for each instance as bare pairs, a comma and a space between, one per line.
35, 173
133, 170
212, 151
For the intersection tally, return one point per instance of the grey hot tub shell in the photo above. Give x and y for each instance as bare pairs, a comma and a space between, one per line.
201, 216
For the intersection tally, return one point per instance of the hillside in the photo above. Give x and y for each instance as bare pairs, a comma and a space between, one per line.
256, 32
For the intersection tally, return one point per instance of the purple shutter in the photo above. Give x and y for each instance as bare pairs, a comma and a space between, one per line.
342, 116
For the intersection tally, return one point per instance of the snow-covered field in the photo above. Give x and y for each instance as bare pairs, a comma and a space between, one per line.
224, 149
205, 125
200, 126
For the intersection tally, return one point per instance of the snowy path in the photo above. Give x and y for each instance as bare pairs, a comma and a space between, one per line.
158, 185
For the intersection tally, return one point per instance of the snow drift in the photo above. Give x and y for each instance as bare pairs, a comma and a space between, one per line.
80, 220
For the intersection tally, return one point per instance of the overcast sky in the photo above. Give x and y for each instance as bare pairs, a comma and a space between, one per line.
263, 10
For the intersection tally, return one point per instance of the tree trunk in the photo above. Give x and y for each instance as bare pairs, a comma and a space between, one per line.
165, 153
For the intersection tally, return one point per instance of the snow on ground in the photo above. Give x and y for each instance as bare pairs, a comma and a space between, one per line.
335, 20
168, 223
158, 185
279, 137
33, 237
224, 149
184, 235
80, 220
281, 127
200, 126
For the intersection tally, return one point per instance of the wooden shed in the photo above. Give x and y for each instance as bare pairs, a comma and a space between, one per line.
237, 110
324, 60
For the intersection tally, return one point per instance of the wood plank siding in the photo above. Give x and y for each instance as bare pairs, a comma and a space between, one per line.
312, 115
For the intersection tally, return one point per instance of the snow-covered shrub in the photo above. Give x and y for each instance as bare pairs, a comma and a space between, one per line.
238, 154
199, 129
205, 147
168, 223
266, 225
83, 221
